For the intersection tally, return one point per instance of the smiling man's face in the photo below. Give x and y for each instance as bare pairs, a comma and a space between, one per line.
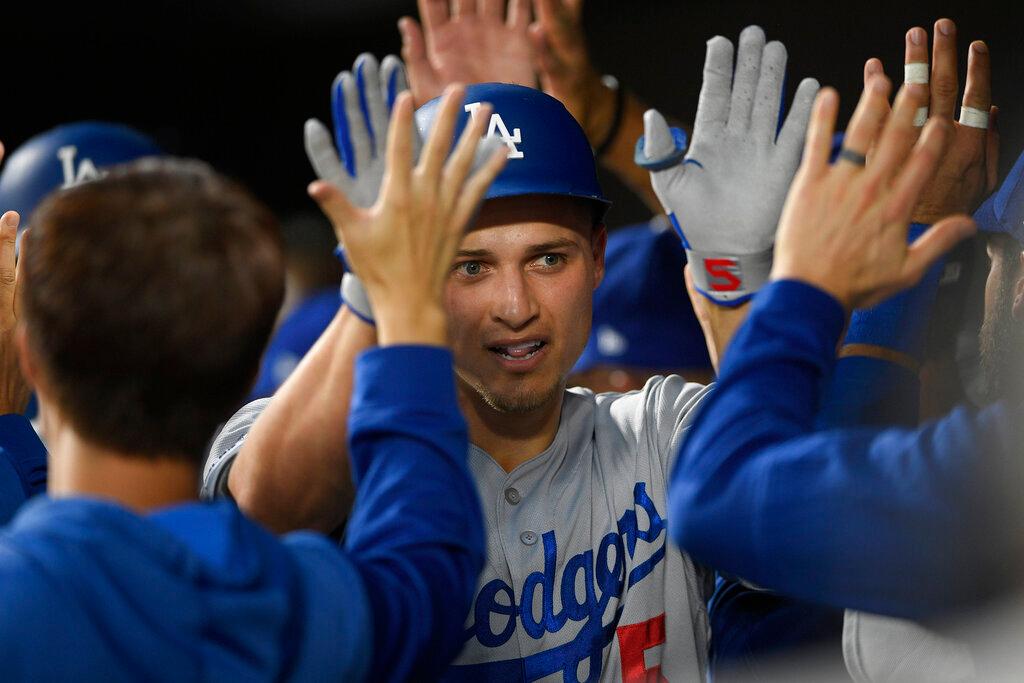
520, 298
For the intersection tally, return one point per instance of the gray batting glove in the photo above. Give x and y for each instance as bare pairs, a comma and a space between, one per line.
354, 159
724, 194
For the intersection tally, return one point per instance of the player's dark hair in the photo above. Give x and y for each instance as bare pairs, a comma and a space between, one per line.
148, 297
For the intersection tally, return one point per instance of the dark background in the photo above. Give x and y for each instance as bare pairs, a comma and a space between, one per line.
232, 82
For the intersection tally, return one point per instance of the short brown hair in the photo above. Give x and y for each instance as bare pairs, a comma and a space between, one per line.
148, 298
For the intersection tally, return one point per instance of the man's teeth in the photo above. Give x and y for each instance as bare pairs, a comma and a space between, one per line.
518, 351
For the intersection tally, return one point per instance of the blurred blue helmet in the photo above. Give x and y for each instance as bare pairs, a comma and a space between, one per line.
1004, 211
643, 317
548, 153
66, 156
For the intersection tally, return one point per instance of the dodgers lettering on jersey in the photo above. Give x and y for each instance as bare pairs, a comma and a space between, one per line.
581, 583
604, 577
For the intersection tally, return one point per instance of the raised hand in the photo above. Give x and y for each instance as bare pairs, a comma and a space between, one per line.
402, 246
361, 102
14, 391
354, 160
967, 172
476, 41
724, 194
565, 69
844, 227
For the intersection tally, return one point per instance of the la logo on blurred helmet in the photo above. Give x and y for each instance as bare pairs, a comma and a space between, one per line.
86, 169
498, 127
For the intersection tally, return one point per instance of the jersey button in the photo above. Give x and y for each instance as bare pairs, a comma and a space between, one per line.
528, 537
512, 496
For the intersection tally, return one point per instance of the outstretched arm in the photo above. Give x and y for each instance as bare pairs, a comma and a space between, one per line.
724, 191
23, 458
291, 471
879, 520
876, 378
612, 116
416, 536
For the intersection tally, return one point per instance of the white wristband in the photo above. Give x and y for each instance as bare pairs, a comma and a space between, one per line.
916, 72
353, 293
973, 118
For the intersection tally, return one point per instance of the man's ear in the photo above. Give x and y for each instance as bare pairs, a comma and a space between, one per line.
598, 242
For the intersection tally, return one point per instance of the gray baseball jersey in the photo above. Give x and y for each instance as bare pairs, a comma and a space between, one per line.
878, 649
581, 583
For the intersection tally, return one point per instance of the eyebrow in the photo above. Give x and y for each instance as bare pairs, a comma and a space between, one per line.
560, 243
472, 253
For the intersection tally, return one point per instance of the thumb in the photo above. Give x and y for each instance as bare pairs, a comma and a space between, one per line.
658, 140
322, 154
338, 209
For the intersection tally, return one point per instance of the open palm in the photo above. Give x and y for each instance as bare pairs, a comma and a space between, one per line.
475, 42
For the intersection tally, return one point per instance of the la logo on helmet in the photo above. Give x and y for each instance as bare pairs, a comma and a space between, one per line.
86, 169
498, 127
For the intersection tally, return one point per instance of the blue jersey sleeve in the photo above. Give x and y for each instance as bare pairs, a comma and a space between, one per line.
416, 530
875, 381
895, 521
23, 465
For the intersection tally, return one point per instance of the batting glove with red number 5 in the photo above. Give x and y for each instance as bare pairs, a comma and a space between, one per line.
724, 194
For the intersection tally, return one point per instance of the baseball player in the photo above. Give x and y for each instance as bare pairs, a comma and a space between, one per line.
875, 381
62, 157
892, 520
121, 565
579, 583
879, 648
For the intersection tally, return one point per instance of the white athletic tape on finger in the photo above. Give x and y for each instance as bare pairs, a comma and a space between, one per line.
973, 118
921, 116
915, 72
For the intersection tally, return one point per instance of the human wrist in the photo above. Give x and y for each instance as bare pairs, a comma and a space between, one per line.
405, 322
722, 323
612, 100
818, 276
599, 116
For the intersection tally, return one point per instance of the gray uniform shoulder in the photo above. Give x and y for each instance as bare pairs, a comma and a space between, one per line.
655, 417
225, 448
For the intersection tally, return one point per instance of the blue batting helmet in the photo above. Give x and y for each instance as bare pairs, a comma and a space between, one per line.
65, 156
1004, 210
548, 152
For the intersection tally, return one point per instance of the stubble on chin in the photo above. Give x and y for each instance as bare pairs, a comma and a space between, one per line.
520, 399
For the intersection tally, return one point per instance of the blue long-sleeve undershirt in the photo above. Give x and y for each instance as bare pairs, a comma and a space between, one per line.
895, 521
750, 625
416, 532
22, 464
